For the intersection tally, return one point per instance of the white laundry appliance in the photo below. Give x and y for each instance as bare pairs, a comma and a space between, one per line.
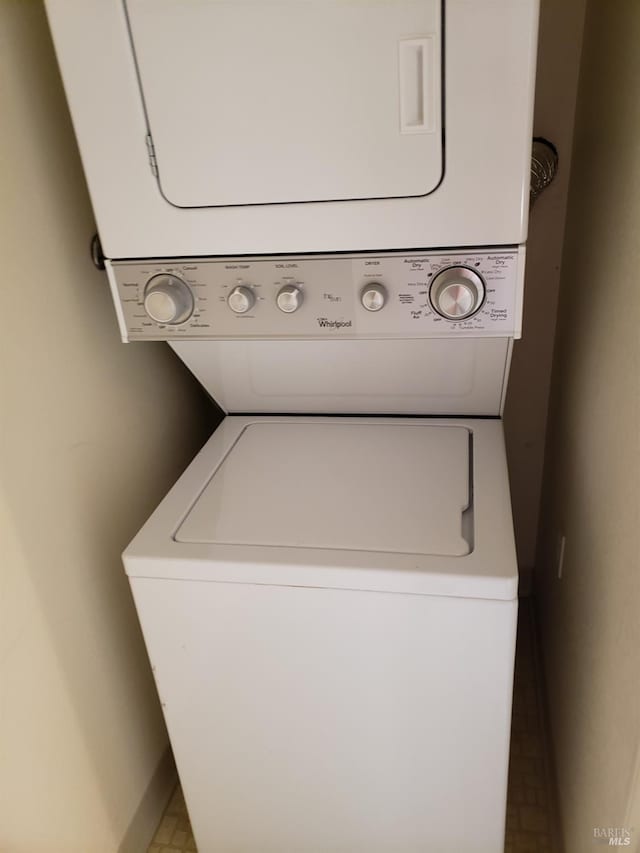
330, 607
212, 127
330, 603
322, 206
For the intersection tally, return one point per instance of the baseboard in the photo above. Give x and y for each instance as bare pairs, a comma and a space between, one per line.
549, 756
151, 808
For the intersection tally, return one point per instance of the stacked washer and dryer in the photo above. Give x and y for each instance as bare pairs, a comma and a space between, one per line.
321, 205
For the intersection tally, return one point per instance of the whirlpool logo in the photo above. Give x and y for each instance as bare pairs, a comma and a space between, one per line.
325, 323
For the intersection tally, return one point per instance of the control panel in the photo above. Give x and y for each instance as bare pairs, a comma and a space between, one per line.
371, 295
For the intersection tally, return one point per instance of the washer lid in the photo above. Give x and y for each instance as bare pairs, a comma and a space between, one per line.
398, 488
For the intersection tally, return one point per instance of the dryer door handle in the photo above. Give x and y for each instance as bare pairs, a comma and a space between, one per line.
416, 78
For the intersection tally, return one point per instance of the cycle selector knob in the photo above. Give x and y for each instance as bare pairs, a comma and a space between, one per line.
241, 299
289, 298
168, 299
373, 296
457, 293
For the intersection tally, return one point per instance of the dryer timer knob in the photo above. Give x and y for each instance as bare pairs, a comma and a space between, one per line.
457, 293
168, 299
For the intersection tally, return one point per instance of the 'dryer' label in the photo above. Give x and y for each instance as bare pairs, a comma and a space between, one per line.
325, 323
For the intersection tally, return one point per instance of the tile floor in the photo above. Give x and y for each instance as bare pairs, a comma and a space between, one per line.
174, 833
530, 812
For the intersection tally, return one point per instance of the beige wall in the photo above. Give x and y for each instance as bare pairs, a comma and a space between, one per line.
591, 618
526, 409
92, 434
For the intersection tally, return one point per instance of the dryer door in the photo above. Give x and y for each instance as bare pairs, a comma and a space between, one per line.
262, 102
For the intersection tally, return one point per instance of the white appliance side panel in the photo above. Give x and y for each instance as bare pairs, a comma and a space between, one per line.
418, 376
311, 720
490, 56
269, 102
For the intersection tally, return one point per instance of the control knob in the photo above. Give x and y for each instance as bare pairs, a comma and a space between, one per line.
168, 299
289, 298
373, 296
457, 293
241, 299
